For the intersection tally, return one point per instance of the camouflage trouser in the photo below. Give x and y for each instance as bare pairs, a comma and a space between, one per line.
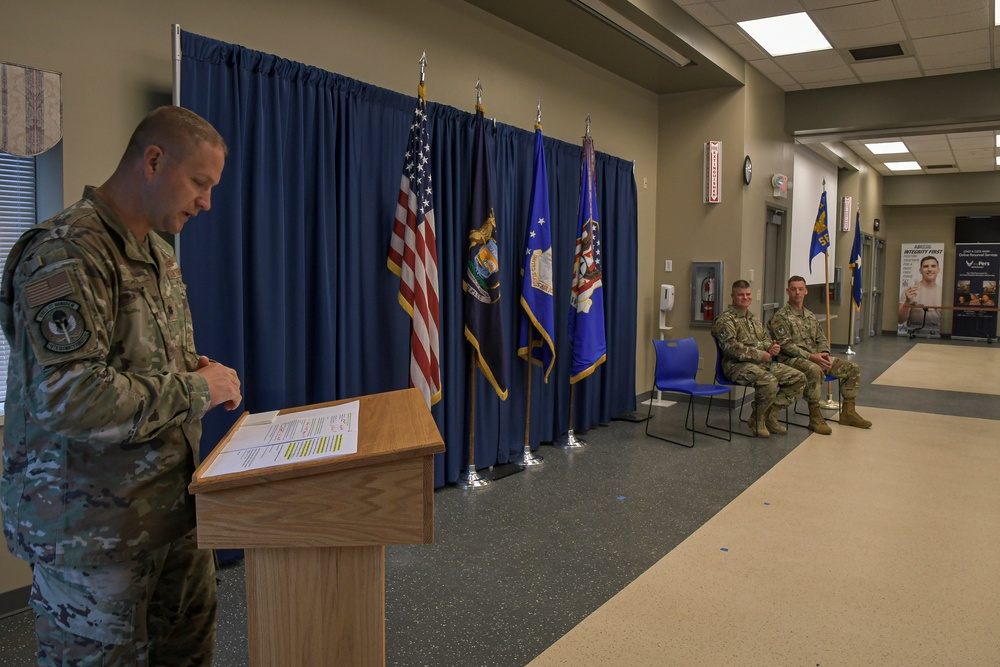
158, 610
847, 371
772, 382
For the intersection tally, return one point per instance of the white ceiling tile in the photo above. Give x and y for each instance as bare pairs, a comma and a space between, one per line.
871, 24
832, 74
951, 24
812, 5
730, 34
767, 66
802, 62
783, 80
750, 51
706, 14
932, 142
975, 40
745, 10
956, 69
965, 139
830, 83
934, 157
900, 67
979, 59
872, 78
924, 18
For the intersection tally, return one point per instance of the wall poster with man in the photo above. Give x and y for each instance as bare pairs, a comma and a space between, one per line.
977, 269
920, 289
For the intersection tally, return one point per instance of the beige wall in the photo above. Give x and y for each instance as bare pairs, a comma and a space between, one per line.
748, 121
687, 229
115, 59
772, 152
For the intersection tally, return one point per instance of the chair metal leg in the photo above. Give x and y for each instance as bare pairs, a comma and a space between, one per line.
689, 423
729, 413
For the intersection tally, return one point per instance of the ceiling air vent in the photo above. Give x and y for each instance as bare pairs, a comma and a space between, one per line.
940, 166
875, 52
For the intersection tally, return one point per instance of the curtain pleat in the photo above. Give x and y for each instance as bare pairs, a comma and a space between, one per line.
287, 272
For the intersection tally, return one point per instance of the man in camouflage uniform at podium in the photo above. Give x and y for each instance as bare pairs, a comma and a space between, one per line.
105, 396
748, 358
804, 346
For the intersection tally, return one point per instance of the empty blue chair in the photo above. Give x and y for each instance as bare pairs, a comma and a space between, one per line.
676, 368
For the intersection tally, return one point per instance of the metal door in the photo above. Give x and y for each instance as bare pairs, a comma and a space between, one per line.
775, 262
877, 290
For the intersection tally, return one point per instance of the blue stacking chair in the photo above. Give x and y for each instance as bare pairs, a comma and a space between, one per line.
722, 380
676, 368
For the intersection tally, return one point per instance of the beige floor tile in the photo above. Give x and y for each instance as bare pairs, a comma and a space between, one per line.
947, 368
867, 547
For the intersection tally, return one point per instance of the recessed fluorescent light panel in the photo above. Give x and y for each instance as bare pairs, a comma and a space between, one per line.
785, 35
887, 148
998, 160
903, 166
998, 136
996, 12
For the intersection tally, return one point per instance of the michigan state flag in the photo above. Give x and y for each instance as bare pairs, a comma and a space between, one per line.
483, 319
586, 313
856, 263
536, 290
821, 233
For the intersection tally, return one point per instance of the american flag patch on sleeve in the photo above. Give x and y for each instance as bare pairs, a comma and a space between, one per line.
49, 288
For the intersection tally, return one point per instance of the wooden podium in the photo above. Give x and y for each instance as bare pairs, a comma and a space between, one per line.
314, 533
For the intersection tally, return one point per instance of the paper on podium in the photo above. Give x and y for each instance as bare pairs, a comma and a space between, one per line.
270, 439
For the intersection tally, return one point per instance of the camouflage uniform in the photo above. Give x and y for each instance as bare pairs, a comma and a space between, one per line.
103, 423
800, 335
744, 342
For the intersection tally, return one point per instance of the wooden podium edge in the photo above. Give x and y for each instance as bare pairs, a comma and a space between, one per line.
201, 484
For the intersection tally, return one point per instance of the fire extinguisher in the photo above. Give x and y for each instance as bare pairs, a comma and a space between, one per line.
708, 297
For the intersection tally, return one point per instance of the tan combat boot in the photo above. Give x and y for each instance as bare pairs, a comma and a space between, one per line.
816, 422
757, 424
848, 417
773, 425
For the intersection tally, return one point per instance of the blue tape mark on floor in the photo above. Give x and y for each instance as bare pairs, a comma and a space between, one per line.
724, 549
621, 497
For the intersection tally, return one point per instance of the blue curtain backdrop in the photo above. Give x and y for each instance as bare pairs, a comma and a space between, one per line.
287, 272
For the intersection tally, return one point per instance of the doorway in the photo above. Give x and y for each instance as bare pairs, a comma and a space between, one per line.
775, 261
877, 289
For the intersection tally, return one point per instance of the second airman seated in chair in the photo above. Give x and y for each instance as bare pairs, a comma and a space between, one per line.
804, 347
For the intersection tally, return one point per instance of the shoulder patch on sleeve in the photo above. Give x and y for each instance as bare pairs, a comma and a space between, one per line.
724, 335
58, 318
780, 330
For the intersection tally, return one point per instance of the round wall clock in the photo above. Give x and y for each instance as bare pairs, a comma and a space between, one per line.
747, 170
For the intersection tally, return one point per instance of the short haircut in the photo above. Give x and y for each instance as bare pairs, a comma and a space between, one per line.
795, 279
173, 129
924, 259
740, 284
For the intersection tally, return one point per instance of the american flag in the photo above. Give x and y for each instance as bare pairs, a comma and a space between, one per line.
413, 257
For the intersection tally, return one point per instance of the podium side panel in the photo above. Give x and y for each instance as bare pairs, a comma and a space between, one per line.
388, 503
316, 606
